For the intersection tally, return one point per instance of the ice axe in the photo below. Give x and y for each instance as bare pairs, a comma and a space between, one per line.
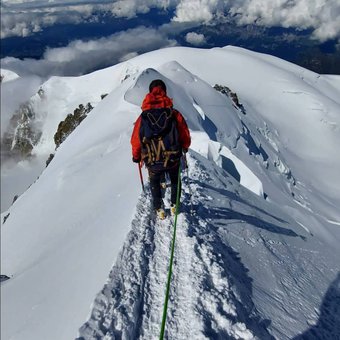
140, 164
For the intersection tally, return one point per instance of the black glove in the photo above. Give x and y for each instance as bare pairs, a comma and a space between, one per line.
136, 160
185, 150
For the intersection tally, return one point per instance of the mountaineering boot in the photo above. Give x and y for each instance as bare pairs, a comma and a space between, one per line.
173, 209
160, 213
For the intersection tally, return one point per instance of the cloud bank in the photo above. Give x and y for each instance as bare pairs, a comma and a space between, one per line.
80, 57
320, 16
130, 8
25, 18
22, 18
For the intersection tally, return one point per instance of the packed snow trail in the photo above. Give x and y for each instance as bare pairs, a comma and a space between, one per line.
213, 294
204, 301
173, 244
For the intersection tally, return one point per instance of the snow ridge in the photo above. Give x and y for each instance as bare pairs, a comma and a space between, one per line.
258, 260
207, 296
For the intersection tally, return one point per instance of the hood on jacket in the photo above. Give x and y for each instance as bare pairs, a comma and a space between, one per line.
156, 99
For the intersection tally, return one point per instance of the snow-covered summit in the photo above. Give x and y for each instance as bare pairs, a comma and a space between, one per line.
261, 253
7, 75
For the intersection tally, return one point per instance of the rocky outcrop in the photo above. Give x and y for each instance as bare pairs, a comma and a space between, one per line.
4, 278
21, 136
68, 125
232, 95
49, 159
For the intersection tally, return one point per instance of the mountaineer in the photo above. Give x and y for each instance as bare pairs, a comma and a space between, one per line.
159, 139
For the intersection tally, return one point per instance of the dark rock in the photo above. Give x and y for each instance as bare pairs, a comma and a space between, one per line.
21, 136
67, 126
4, 278
49, 159
41, 92
232, 95
5, 218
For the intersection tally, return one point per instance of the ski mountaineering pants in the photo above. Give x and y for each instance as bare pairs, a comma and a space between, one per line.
156, 177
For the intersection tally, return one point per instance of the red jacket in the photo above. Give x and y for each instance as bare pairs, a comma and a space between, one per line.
154, 100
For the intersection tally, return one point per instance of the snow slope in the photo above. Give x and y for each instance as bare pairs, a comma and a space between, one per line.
258, 260
7, 75
243, 270
58, 97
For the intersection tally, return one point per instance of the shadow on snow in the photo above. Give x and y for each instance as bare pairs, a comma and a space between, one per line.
235, 273
328, 326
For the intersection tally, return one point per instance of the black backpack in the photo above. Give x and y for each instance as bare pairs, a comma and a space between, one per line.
159, 138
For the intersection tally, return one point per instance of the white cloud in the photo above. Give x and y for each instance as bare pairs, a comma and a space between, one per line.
80, 57
322, 17
24, 19
318, 15
196, 10
195, 39
130, 8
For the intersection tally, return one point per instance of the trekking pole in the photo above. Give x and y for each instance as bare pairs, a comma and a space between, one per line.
192, 211
140, 174
190, 192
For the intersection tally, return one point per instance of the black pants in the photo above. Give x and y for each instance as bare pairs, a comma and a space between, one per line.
156, 177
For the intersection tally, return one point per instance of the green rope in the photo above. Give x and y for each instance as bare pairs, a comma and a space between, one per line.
171, 257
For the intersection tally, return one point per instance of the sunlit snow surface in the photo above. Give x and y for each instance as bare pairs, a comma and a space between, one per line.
7, 75
259, 259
